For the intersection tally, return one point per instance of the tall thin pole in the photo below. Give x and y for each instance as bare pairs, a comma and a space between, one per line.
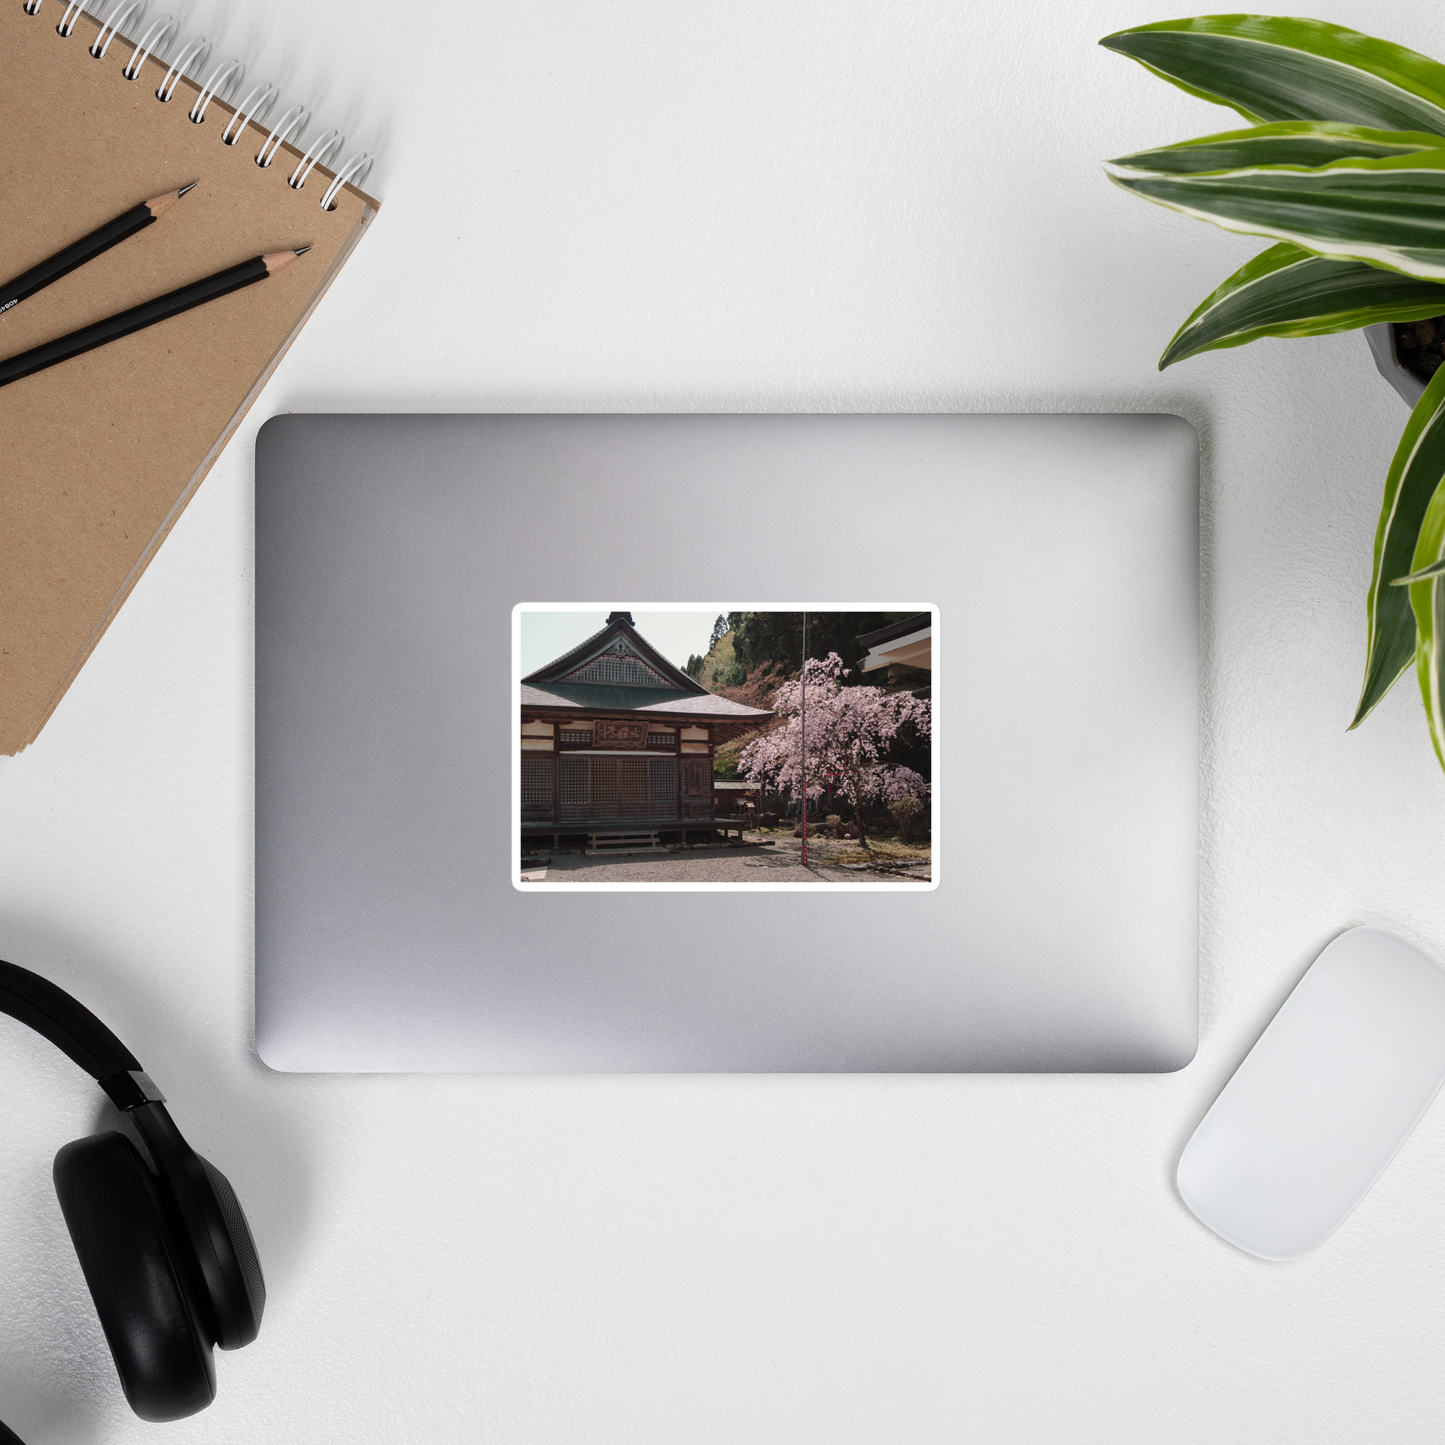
803, 742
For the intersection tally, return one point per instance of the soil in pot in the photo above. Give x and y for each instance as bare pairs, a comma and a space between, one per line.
1420, 345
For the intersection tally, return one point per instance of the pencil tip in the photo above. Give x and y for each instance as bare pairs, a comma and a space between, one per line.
159, 205
276, 259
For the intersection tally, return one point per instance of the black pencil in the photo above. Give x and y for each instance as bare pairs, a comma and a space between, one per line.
62, 263
146, 314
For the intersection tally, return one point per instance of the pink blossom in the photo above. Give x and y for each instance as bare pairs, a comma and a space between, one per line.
849, 731
896, 783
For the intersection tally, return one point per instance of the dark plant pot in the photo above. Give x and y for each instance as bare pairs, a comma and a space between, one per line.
1381, 337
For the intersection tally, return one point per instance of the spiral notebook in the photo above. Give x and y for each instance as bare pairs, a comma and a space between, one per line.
100, 454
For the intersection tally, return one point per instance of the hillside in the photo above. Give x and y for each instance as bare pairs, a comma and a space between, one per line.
718, 662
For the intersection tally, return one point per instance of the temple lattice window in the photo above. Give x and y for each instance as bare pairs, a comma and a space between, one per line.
594, 788
662, 787
537, 785
576, 784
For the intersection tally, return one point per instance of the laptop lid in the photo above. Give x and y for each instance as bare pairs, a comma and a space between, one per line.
1058, 559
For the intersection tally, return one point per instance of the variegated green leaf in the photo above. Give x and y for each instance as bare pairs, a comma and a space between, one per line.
1435, 569
1414, 478
1274, 68
1386, 212
1288, 292
1427, 598
1286, 143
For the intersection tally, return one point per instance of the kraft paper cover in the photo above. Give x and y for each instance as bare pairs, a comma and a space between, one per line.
101, 453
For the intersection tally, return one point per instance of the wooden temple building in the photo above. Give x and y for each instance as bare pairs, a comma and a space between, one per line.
617, 742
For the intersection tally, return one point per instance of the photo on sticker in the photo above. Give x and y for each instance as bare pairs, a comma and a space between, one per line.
666, 746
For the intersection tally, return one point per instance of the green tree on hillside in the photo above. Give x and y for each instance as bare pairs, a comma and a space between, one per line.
777, 638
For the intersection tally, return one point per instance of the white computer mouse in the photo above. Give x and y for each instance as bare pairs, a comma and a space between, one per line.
1323, 1101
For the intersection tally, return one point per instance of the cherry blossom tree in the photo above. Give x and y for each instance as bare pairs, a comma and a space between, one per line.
849, 732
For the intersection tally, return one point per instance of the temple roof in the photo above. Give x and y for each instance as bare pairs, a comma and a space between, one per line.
618, 670
617, 656
895, 629
595, 697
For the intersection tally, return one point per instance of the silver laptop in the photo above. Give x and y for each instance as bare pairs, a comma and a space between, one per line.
457, 872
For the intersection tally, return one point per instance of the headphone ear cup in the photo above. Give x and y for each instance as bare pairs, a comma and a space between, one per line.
245, 1310
133, 1259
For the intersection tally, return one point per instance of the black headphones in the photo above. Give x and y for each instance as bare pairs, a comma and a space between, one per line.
163, 1243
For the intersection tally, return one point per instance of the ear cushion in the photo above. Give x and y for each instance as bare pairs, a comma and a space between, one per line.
134, 1260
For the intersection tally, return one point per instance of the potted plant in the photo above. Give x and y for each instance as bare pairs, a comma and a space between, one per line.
1343, 166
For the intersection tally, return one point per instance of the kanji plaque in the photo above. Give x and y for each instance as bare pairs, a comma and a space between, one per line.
620, 732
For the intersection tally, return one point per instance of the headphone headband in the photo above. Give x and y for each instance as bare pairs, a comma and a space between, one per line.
75, 1031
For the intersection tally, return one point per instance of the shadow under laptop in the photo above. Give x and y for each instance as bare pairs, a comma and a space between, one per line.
58, 1382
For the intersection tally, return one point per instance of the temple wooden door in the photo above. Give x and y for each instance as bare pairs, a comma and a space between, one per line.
632, 800
697, 787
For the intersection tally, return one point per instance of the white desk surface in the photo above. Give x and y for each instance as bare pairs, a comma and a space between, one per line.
845, 205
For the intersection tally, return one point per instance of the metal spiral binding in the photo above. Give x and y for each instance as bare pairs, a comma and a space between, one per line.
316, 154
224, 77
354, 170
193, 52
156, 35
227, 74
120, 12
256, 106
294, 120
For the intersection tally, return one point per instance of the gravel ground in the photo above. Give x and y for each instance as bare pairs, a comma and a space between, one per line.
778, 862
